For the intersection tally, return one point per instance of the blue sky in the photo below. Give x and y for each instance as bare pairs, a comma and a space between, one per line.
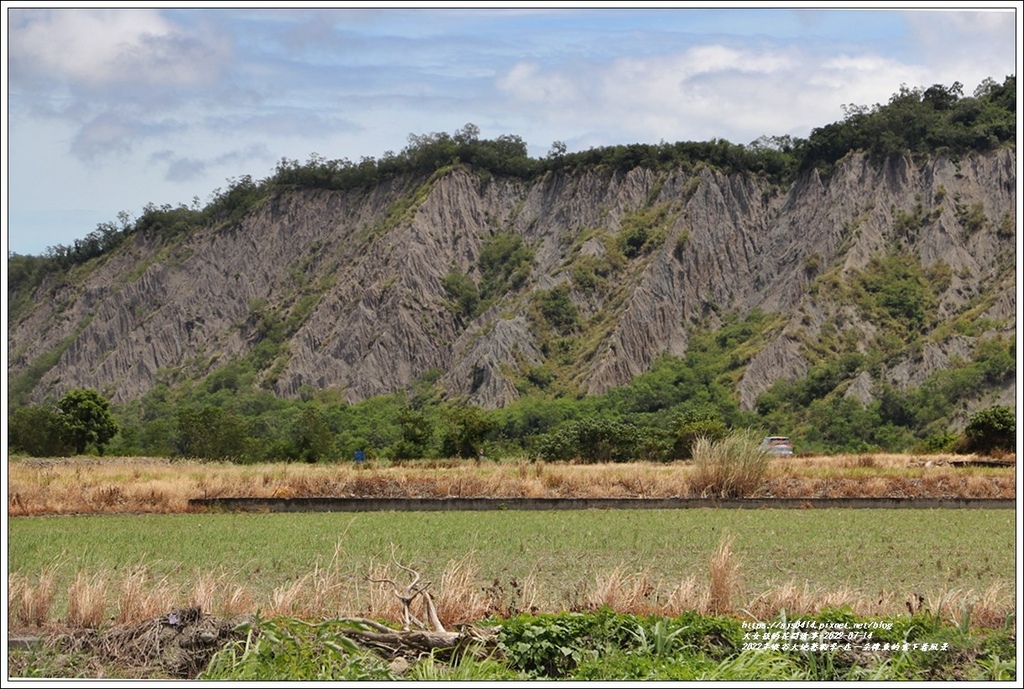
108, 110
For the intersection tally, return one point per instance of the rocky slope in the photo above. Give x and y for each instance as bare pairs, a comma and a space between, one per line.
332, 289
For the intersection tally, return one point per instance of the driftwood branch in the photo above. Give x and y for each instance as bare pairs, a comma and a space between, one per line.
415, 638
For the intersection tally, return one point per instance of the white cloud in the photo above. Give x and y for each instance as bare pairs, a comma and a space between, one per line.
526, 81
110, 109
102, 48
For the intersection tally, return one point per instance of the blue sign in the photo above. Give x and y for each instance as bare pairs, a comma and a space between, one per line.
360, 456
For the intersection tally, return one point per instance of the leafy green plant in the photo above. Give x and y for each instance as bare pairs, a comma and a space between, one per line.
598, 440
558, 310
544, 645
463, 294
294, 649
505, 264
692, 424
994, 428
87, 420
37, 430
660, 641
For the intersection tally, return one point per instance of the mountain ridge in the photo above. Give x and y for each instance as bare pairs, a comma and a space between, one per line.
347, 289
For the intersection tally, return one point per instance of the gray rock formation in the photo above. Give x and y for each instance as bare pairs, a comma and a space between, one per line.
332, 289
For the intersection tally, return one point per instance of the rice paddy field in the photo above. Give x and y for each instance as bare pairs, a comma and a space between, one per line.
117, 520
99, 542
865, 556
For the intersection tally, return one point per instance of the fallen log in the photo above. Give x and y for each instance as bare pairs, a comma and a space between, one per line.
415, 639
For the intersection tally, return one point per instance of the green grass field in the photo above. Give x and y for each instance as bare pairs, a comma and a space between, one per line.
871, 551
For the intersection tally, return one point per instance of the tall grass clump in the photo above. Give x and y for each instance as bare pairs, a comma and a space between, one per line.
732, 467
723, 576
28, 603
87, 601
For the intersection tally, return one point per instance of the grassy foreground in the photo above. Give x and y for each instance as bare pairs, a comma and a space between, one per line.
637, 561
579, 595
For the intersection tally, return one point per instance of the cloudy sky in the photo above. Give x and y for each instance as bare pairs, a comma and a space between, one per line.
108, 110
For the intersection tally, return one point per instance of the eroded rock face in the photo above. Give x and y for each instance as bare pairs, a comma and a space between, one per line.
341, 290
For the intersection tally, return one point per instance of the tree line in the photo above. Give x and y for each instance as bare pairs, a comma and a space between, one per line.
656, 417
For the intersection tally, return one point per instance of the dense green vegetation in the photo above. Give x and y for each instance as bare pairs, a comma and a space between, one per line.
602, 645
81, 419
605, 645
657, 416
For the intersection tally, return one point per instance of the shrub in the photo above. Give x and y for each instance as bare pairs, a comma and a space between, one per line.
598, 440
732, 467
463, 293
694, 424
991, 429
38, 430
558, 309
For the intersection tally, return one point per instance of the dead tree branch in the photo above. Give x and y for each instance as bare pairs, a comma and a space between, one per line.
415, 638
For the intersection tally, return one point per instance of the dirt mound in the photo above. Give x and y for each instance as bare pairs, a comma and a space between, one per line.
179, 644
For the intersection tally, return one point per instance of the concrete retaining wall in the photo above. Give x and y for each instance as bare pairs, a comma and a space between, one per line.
482, 504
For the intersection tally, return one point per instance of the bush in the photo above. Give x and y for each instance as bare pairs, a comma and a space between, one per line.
558, 309
991, 429
694, 424
732, 467
599, 440
38, 431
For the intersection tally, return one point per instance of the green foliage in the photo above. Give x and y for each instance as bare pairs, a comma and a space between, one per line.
211, 433
918, 121
86, 420
692, 424
557, 309
463, 430
463, 293
597, 646
593, 440
894, 293
644, 230
81, 419
579, 645
995, 359
312, 437
994, 428
24, 276
972, 218
287, 648
505, 264
37, 430
842, 422
551, 646
417, 434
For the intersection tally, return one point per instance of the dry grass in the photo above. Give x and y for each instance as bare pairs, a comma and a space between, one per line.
29, 604
151, 485
459, 597
87, 601
140, 598
621, 590
733, 467
140, 485
332, 592
723, 578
